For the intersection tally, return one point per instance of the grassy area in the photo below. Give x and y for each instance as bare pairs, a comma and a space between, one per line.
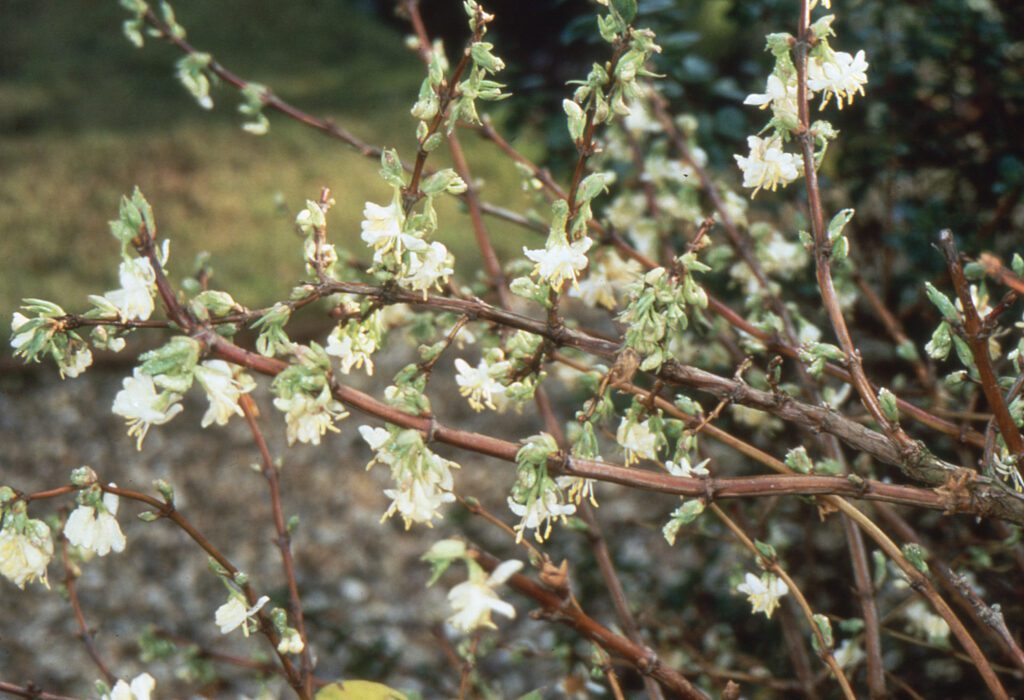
84, 117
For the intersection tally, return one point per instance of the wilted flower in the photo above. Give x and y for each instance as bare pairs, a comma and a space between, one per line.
764, 592
96, 528
474, 600
142, 406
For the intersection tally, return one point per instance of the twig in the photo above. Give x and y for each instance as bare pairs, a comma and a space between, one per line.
71, 585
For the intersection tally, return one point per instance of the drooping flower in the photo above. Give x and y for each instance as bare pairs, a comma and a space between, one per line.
353, 346
840, 74
539, 512
134, 300
25, 552
767, 166
419, 497
478, 384
75, 361
142, 406
234, 614
637, 439
223, 389
428, 267
382, 230
764, 592
96, 528
291, 642
140, 689
780, 96
474, 600
560, 261
308, 417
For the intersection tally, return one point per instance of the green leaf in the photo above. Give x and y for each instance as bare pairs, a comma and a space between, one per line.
358, 690
626, 9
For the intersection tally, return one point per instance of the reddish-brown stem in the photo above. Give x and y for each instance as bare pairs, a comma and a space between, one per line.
556, 608
71, 585
31, 692
283, 540
978, 342
169, 512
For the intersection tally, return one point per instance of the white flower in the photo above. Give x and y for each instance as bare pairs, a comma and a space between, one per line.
374, 437
609, 274
353, 346
76, 362
308, 418
478, 385
923, 622
142, 406
474, 601
140, 689
840, 74
96, 530
233, 614
637, 440
539, 513
764, 592
25, 555
134, 300
768, 165
223, 390
561, 261
18, 339
418, 499
684, 468
427, 268
781, 97
639, 119
382, 230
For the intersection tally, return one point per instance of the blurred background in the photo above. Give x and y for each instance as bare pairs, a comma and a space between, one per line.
84, 117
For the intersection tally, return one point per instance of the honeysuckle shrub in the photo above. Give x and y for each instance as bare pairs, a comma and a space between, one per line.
691, 333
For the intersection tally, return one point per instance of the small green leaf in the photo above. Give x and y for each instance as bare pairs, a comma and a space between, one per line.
626, 9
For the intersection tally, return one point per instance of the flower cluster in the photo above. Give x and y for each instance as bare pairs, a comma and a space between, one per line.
480, 384
26, 545
303, 394
423, 480
93, 526
474, 600
536, 498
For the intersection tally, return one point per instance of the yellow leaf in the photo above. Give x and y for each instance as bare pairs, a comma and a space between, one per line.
358, 690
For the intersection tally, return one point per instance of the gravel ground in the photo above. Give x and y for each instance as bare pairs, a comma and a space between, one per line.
369, 612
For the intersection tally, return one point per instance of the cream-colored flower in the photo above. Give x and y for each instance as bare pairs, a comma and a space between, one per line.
478, 384
637, 439
560, 261
923, 622
538, 514
382, 230
428, 267
682, 467
142, 406
24, 555
96, 530
473, 601
76, 362
767, 166
134, 300
354, 347
841, 74
764, 592
223, 388
419, 498
291, 642
234, 614
308, 418
140, 689
780, 96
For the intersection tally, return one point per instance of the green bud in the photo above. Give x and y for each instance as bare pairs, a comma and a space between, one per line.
824, 627
683, 515
938, 347
766, 550
577, 119
887, 400
942, 302
798, 460
83, 477
916, 555
165, 490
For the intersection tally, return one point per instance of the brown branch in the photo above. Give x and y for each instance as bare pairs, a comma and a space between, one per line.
32, 692
978, 342
283, 540
556, 608
85, 634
